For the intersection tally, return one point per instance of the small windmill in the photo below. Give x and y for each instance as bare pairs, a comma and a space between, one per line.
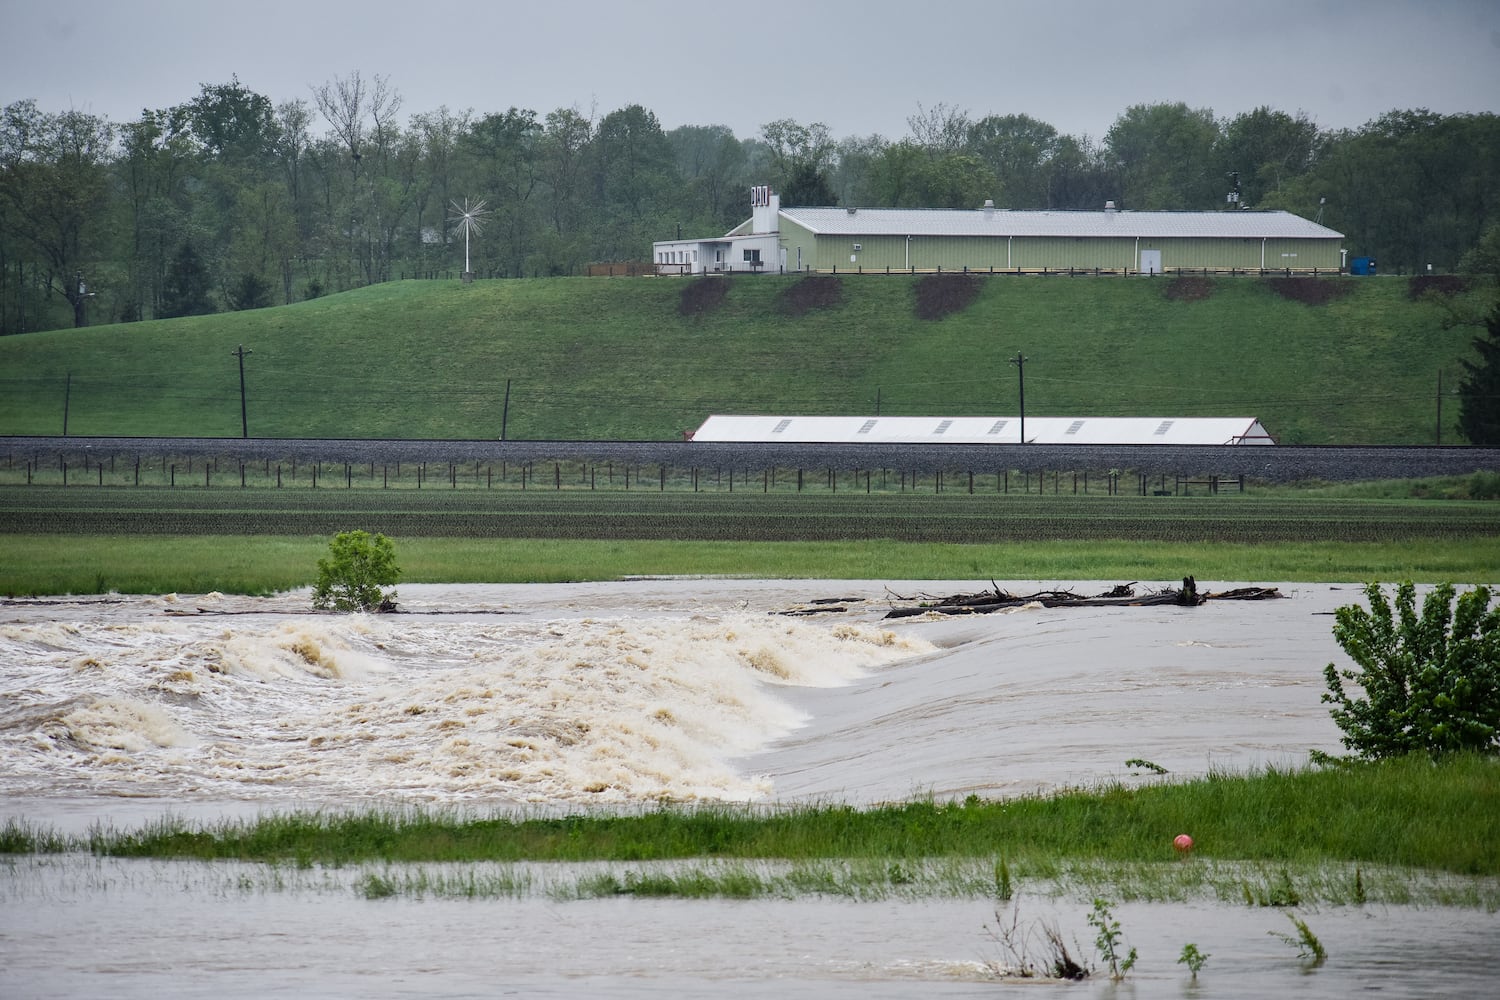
468, 217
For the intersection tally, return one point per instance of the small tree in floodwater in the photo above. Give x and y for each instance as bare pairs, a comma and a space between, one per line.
1431, 683
351, 578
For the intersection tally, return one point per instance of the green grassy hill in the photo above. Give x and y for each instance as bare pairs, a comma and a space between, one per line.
619, 359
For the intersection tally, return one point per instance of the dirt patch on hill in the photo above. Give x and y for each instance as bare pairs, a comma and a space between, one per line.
940, 295
1437, 284
1310, 291
1189, 288
701, 296
819, 291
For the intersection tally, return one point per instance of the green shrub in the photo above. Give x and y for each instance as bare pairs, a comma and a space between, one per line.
359, 565
1431, 683
1484, 486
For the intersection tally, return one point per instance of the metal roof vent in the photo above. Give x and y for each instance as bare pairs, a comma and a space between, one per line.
989, 208
1109, 206
851, 210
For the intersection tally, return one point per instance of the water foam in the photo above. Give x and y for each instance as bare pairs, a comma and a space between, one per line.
123, 724
348, 707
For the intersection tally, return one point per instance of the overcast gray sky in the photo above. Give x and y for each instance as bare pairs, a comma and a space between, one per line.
860, 67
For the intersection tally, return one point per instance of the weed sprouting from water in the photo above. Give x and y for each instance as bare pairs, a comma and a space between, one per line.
1004, 890
1309, 948
1109, 939
1192, 958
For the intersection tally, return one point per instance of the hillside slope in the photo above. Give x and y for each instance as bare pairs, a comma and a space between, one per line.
648, 358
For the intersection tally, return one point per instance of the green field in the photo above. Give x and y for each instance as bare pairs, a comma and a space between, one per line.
81, 539
590, 359
957, 518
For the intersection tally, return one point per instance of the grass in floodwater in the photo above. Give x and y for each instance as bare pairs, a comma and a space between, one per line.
1395, 832
1443, 817
18, 836
462, 883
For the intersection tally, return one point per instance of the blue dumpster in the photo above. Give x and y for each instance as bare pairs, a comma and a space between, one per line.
1362, 265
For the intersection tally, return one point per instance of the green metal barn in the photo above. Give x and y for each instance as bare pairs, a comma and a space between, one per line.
991, 239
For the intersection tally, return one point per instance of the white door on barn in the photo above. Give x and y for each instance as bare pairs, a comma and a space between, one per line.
1151, 262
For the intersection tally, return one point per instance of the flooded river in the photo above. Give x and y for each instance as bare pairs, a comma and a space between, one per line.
559, 697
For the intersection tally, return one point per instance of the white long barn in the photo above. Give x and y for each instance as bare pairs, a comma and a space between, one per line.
984, 430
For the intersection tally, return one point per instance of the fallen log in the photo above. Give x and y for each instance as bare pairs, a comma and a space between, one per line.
1123, 595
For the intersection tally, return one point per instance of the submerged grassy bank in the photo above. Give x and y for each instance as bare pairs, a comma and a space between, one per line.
267, 564
1408, 813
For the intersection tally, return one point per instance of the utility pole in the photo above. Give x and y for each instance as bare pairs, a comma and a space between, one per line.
1440, 407
1020, 362
240, 353
505, 412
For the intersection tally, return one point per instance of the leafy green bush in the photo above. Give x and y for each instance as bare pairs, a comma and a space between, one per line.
1431, 683
359, 565
1484, 486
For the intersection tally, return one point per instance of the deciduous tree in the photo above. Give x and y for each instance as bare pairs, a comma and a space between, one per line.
1479, 393
1427, 683
1165, 157
54, 179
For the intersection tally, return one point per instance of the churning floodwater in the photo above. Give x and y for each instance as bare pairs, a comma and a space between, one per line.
567, 697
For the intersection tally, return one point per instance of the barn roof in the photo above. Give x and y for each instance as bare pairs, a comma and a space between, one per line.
1001, 223
984, 430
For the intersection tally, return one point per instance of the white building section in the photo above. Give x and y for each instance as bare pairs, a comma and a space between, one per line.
758, 250
985, 430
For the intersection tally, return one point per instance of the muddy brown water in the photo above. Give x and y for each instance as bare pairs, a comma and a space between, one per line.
575, 696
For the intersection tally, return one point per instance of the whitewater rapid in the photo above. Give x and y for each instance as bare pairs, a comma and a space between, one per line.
233, 698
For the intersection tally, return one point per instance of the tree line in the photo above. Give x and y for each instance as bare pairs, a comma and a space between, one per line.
233, 201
